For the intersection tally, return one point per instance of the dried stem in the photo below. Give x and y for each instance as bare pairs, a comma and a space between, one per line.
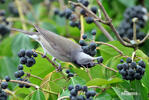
18, 3
121, 53
109, 68
62, 98
82, 27
96, 17
31, 75
134, 20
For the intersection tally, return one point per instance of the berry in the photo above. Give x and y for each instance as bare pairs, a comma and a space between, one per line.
89, 20
141, 63
70, 75
93, 32
4, 85
21, 85
4, 30
35, 54
92, 45
21, 72
7, 78
82, 43
67, 71
78, 87
84, 36
30, 62
133, 65
125, 66
13, 9
21, 53
121, 61
139, 69
72, 23
2, 1
70, 87
93, 93
62, 14
94, 9
85, 49
56, 11
100, 60
137, 76
84, 88
119, 66
20, 67
23, 60
88, 94
123, 72
73, 92
131, 71
27, 86
80, 97
85, 3
29, 53
17, 74
128, 60
68, 13
83, 12
2, 13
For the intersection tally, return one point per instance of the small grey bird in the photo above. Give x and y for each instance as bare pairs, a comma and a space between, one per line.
60, 47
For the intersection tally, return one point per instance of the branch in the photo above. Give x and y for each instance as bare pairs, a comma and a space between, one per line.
64, 97
111, 25
121, 53
96, 17
82, 27
31, 75
145, 38
108, 68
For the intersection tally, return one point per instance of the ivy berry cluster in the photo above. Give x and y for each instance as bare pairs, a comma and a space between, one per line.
3, 86
26, 58
90, 48
126, 27
79, 92
130, 70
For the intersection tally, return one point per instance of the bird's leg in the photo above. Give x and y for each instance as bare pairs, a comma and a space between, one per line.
59, 65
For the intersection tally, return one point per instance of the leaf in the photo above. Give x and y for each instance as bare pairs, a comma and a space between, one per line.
45, 83
99, 81
54, 87
141, 91
125, 2
81, 73
122, 94
77, 80
108, 52
38, 95
21, 41
5, 47
104, 96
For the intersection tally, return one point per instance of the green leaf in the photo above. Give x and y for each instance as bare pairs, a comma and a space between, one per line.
125, 2
19, 42
99, 81
122, 94
54, 87
77, 80
5, 47
141, 91
108, 52
38, 95
103, 96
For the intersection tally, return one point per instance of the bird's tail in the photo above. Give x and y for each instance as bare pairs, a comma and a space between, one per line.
25, 32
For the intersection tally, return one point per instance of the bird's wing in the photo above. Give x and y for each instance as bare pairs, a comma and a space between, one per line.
61, 45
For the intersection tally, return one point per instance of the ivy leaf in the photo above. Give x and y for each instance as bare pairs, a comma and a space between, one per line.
38, 95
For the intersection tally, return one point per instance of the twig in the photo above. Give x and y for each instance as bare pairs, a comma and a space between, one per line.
31, 75
18, 3
82, 27
104, 31
108, 68
64, 97
87, 70
134, 20
145, 38
121, 53
112, 27
96, 17
50, 62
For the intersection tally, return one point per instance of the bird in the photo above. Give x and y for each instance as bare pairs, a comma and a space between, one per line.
60, 47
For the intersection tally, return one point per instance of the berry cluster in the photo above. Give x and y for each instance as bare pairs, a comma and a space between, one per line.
73, 17
69, 74
4, 30
90, 48
27, 57
131, 70
126, 27
78, 89
13, 9
4, 85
